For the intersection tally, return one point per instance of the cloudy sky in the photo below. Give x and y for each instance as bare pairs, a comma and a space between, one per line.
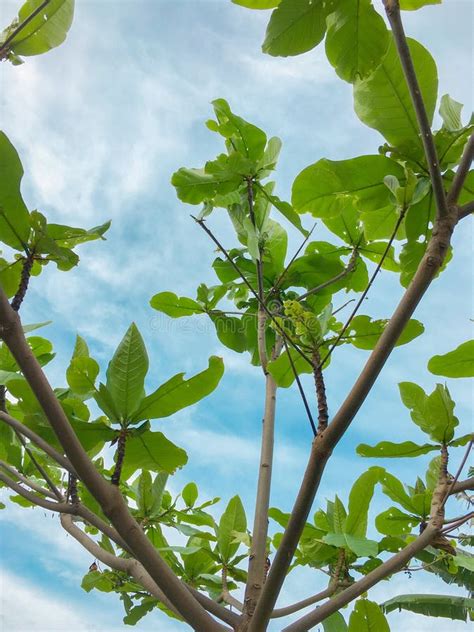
100, 124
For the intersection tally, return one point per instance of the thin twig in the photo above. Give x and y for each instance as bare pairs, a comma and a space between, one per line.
460, 468
461, 172
347, 270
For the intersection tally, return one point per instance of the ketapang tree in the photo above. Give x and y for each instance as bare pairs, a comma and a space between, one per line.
395, 211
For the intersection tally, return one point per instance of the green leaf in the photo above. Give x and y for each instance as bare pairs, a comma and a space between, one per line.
190, 494
138, 612
175, 306
126, 373
448, 606
465, 561
46, 30
335, 623
412, 5
339, 516
178, 393
389, 450
69, 237
81, 374
359, 501
152, 451
450, 112
382, 101
327, 187
286, 210
394, 489
233, 520
250, 140
361, 546
230, 331
257, 4
295, 27
439, 414
282, 371
367, 617
395, 522
364, 333
457, 363
357, 39
195, 185
98, 580
14, 216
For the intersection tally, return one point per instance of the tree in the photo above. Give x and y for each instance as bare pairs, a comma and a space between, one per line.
394, 211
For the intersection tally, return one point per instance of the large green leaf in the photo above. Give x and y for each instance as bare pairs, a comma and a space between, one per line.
394, 489
447, 606
361, 546
357, 39
457, 363
195, 185
382, 101
178, 393
434, 414
367, 617
248, 139
389, 450
126, 373
327, 187
395, 522
152, 451
230, 331
295, 27
257, 4
46, 30
175, 306
232, 521
364, 333
282, 370
335, 623
14, 216
359, 501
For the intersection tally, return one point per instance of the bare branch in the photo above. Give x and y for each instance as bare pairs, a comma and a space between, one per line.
37, 488
392, 9
309, 601
462, 171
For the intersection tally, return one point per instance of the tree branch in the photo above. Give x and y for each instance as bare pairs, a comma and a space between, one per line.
25, 279
462, 171
459, 470
466, 210
37, 488
309, 601
39, 467
324, 443
347, 270
392, 9
106, 494
463, 486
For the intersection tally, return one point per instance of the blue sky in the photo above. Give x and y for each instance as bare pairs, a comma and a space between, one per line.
100, 125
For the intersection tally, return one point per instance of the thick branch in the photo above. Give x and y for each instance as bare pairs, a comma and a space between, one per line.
466, 210
392, 8
324, 443
106, 494
463, 486
462, 171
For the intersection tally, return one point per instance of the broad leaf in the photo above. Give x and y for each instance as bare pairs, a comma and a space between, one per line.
14, 216
361, 546
395, 522
389, 450
382, 101
367, 617
230, 331
195, 185
126, 373
364, 333
152, 451
327, 187
450, 112
359, 501
178, 393
282, 370
295, 27
335, 623
232, 520
175, 306
190, 494
447, 606
257, 4
457, 363
46, 30
357, 39
412, 5
249, 140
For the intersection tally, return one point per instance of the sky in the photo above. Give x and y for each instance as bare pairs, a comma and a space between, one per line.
100, 124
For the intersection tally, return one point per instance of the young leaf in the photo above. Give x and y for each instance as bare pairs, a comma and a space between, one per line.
295, 27
249, 140
357, 39
190, 494
178, 393
126, 372
382, 101
367, 617
457, 363
81, 374
233, 520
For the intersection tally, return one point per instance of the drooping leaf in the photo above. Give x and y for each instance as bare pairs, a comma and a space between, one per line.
46, 30
448, 606
388, 450
367, 616
359, 501
137, 613
14, 216
394, 489
457, 363
175, 306
126, 372
295, 27
230, 331
178, 393
356, 40
327, 187
152, 451
382, 100
232, 520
